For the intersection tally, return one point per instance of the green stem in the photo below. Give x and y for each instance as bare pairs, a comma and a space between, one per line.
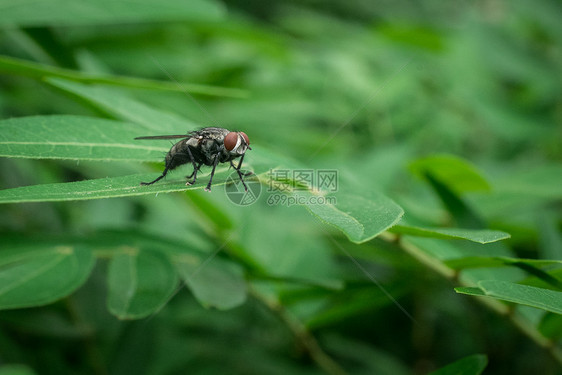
305, 338
522, 324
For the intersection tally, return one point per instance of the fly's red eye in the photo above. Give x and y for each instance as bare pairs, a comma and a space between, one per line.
230, 141
245, 138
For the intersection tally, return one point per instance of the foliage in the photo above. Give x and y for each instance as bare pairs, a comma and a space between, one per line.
440, 241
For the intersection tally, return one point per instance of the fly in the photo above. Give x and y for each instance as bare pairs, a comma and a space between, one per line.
208, 146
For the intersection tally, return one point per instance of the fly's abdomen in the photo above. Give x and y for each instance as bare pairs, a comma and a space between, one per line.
177, 156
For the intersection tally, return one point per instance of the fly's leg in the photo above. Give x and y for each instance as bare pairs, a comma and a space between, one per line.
195, 168
171, 162
240, 166
240, 174
208, 188
194, 173
161, 176
158, 179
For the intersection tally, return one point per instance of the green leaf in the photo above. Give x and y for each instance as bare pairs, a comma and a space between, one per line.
544, 299
463, 214
10, 65
550, 237
102, 12
123, 107
122, 186
471, 365
483, 261
482, 236
529, 265
458, 174
471, 291
76, 138
360, 218
110, 187
284, 257
352, 302
140, 283
16, 370
367, 359
539, 273
540, 181
210, 209
213, 281
38, 275
419, 36
551, 326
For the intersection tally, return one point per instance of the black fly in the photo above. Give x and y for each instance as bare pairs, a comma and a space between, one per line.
208, 146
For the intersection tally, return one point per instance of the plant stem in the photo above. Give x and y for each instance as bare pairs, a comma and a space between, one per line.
305, 338
522, 324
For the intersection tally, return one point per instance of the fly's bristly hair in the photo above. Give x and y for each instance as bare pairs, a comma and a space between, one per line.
207, 146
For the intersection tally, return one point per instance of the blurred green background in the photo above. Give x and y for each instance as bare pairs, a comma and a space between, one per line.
366, 88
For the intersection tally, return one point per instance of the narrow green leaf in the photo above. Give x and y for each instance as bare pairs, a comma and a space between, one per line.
102, 12
284, 257
531, 266
125, 108
471, 365
539, 181
75, 137
551, 326
471, 291
544, 299
38, 275
140, 283
537, 272
10, 65
213, 281
463, 214
122, 186
350, 303
360, 218
483, 261
110, 187
550, 237
460, 175
367, 359
16, 370
208, 207
482, 236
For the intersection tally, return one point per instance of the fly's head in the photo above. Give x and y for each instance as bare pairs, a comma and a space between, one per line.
236, 143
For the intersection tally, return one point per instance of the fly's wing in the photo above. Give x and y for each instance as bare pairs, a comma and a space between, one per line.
210, 132
164, 136
213, 133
